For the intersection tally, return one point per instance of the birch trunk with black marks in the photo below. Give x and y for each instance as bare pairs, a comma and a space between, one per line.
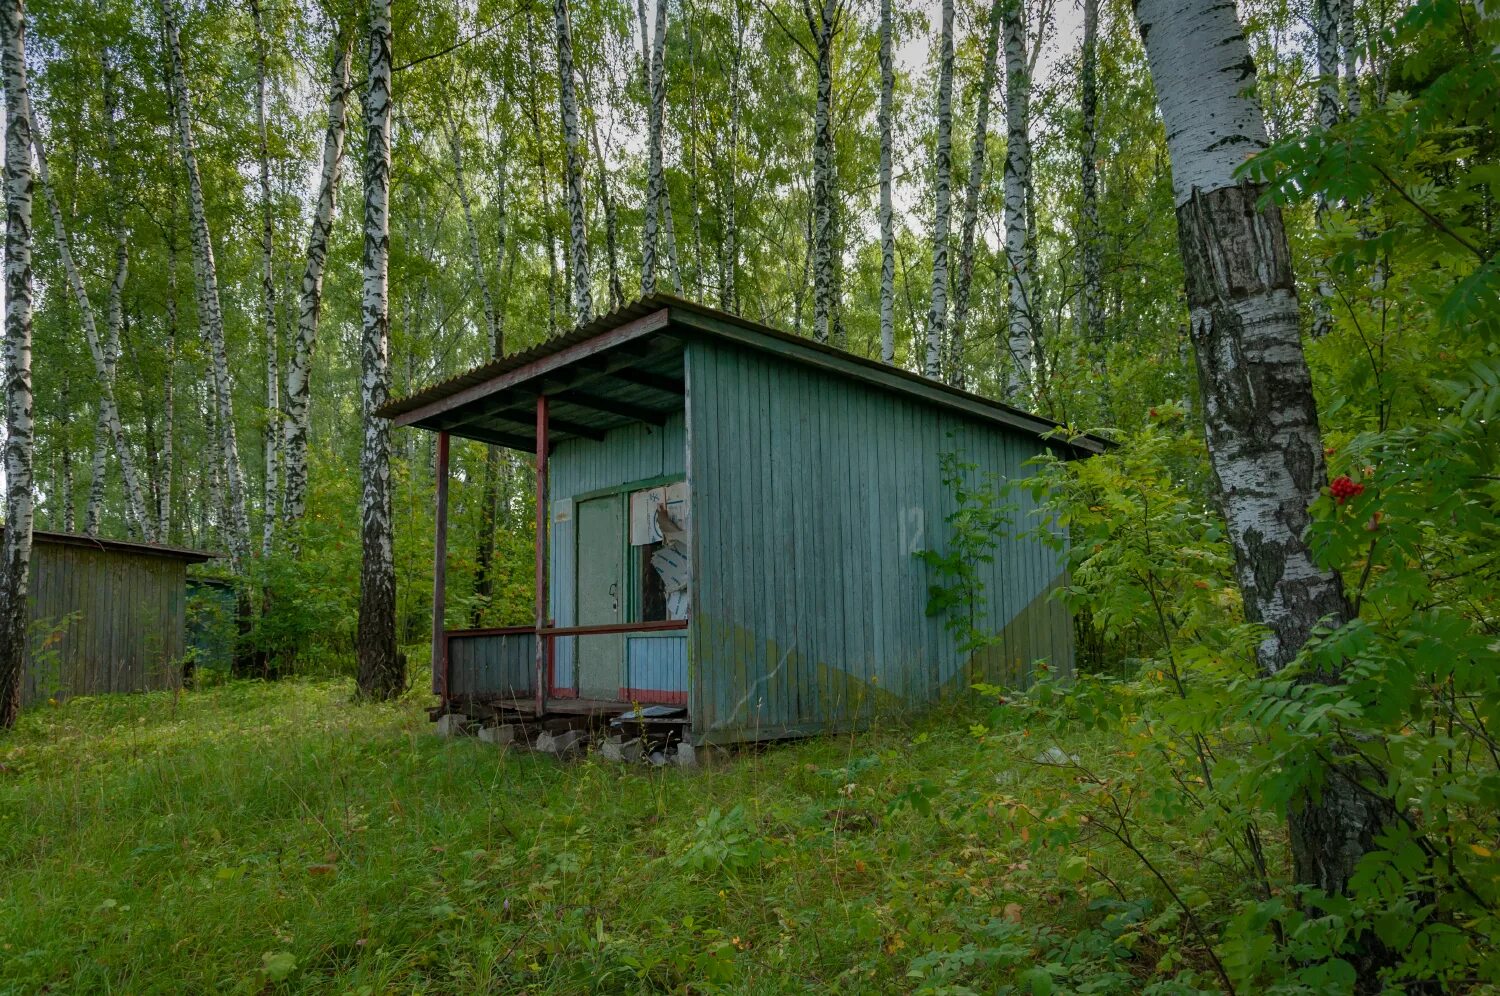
1019, 337
476, 254
942, 194
102, 349
1092, 238
823, 24
650, 226
65, 470
167, 459
381, 670
729, 297
1326, 17
484, 554
963, 280
271, 435
1349, 41
210, 312
15, 548
884, 120
310, 297
578, 247
1259, 415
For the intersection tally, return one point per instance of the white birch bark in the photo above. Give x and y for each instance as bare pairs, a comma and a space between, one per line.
1259, 415
271, 435
210, 312
957, 366
15, 549
583, 300
1326, 17
823, 23
942, 194
381, 671
1092, 241
650, 225
1020, 337
887, 208
65, 475
476, 254
102, 349
169, 403
729, 299
1349, 41
310, 295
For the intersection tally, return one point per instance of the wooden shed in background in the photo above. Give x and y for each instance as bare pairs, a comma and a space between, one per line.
106, 616
729, 519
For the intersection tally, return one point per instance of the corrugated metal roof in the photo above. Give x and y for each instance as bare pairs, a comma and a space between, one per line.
752, 333
123, 546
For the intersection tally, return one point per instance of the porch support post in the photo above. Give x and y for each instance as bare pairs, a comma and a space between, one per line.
440, 574
540, 681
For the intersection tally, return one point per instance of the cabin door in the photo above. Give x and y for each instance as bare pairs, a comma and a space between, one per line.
601, 596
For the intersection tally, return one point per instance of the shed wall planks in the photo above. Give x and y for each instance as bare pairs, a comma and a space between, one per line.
103, 621
812, 494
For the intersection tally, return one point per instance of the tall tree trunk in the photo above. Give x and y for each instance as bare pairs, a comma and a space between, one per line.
729, 297
823, 24
484, 555
15, 549
310, 295
169, 397
1349, 39
271, 435
476, 254
102, 350
1326, 17
65, 459
382, 671
652, 52
1092, 238
942, 194
539, 141
583, 299
887, 206
1020, 335
956, 365
210, 313
1259, 415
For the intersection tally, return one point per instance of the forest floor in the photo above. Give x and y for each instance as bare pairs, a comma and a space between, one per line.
266, 838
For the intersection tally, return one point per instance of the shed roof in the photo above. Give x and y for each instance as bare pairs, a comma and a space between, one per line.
626, 366
182, 553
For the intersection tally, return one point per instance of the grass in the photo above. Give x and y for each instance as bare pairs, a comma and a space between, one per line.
280, 837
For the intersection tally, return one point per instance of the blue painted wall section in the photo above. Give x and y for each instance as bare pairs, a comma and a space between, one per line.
812, 493
636, 452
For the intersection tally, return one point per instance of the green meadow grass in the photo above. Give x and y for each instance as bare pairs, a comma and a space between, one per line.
268, 838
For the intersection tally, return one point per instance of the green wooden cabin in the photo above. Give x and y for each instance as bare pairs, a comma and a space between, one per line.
729, 518
106, 616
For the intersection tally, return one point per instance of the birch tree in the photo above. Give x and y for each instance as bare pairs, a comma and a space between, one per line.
310, 293
210, 313
381, 670
1259, 415
956, 364
887, 207
824, 24
1020, 336
653, 76
476, 254
102, 349
271, 435
15, 548
583, 300
1326, 18
1092, 237
942, 192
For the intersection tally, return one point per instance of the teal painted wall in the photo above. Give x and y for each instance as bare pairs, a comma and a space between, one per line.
635, 452
811, 493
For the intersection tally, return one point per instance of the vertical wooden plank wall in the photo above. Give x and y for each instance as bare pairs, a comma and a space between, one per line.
811, 495
103, 621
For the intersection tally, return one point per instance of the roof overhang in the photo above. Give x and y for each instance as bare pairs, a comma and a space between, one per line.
185, 554
626, 367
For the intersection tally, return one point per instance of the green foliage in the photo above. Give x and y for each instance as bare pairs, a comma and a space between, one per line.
982, 516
